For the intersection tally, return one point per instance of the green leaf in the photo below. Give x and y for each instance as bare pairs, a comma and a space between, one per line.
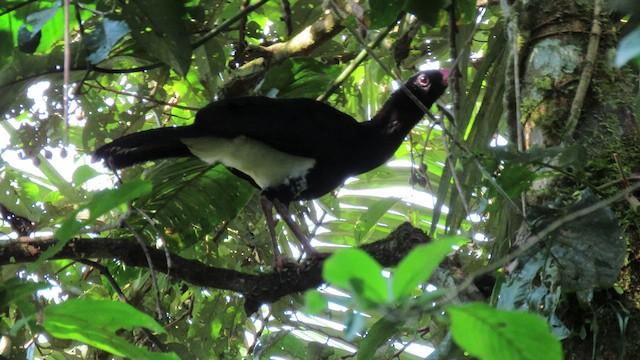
629, 48
56, 179
429, 14
216, 326
354, 325
379, 334
370, 218
278, 343
101, 203
515, 179
314, 302
488, 333
101, 40
466, 11
190, 198
296, 78
418, 266
29, 33
160, 27
15, 288
82, 174
358, 272
384, 12
95, 323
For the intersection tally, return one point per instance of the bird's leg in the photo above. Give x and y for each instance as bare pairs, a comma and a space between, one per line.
283, 210
267, 208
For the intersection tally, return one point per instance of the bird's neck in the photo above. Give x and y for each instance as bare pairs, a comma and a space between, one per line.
397, 117
386, 131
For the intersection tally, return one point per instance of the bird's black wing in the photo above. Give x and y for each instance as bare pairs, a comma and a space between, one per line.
301, 127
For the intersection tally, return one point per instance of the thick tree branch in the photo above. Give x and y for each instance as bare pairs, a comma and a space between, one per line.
257, 289
302, 44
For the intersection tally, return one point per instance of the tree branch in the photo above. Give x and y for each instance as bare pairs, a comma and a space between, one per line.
257, 289
302, 44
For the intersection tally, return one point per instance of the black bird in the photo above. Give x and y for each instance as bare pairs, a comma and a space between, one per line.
290, 149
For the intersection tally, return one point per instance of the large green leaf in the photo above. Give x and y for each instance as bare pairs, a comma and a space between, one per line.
384, 12
29, 34
15, 288
488, 333
106, 34
377, 335
629, 48
299, 78
101, 203
418, 266
358, 272
95, 323
282, 342
370, 217
190, 199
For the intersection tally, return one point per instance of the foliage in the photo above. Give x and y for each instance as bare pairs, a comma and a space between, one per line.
137, 65
629, 47
95, 323
497, 334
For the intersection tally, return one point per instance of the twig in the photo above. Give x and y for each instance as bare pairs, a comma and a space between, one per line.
128, 71
258, 333
184, 314
312, 328
66, 73
227, 23
633, 201
625, 181
454, 175
81, 6
104, 271
77, 6
152, 223
286, 16
152, 271
587, 70
143, 98
17, 6
241, 49
377, 59
535, 239
362, 55
443, 349
476, 162
454, 84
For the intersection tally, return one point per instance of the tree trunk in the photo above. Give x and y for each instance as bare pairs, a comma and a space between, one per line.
590, 120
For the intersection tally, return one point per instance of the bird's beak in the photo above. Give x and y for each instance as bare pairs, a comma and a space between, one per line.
445, 75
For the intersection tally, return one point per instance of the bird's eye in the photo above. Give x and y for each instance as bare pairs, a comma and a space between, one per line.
423, 80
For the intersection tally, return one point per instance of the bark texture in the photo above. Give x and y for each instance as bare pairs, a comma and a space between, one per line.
601, 323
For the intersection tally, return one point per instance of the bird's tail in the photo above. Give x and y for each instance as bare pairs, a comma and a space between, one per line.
145, 146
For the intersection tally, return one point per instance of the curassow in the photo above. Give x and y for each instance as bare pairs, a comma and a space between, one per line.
290, 149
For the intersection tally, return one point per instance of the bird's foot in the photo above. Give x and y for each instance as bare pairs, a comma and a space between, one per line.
279, 262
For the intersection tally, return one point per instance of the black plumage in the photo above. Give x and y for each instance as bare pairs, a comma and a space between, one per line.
291, 149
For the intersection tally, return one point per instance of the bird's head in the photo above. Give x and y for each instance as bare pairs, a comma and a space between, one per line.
429, 85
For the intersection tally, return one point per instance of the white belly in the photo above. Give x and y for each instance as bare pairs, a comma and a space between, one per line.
265, 165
